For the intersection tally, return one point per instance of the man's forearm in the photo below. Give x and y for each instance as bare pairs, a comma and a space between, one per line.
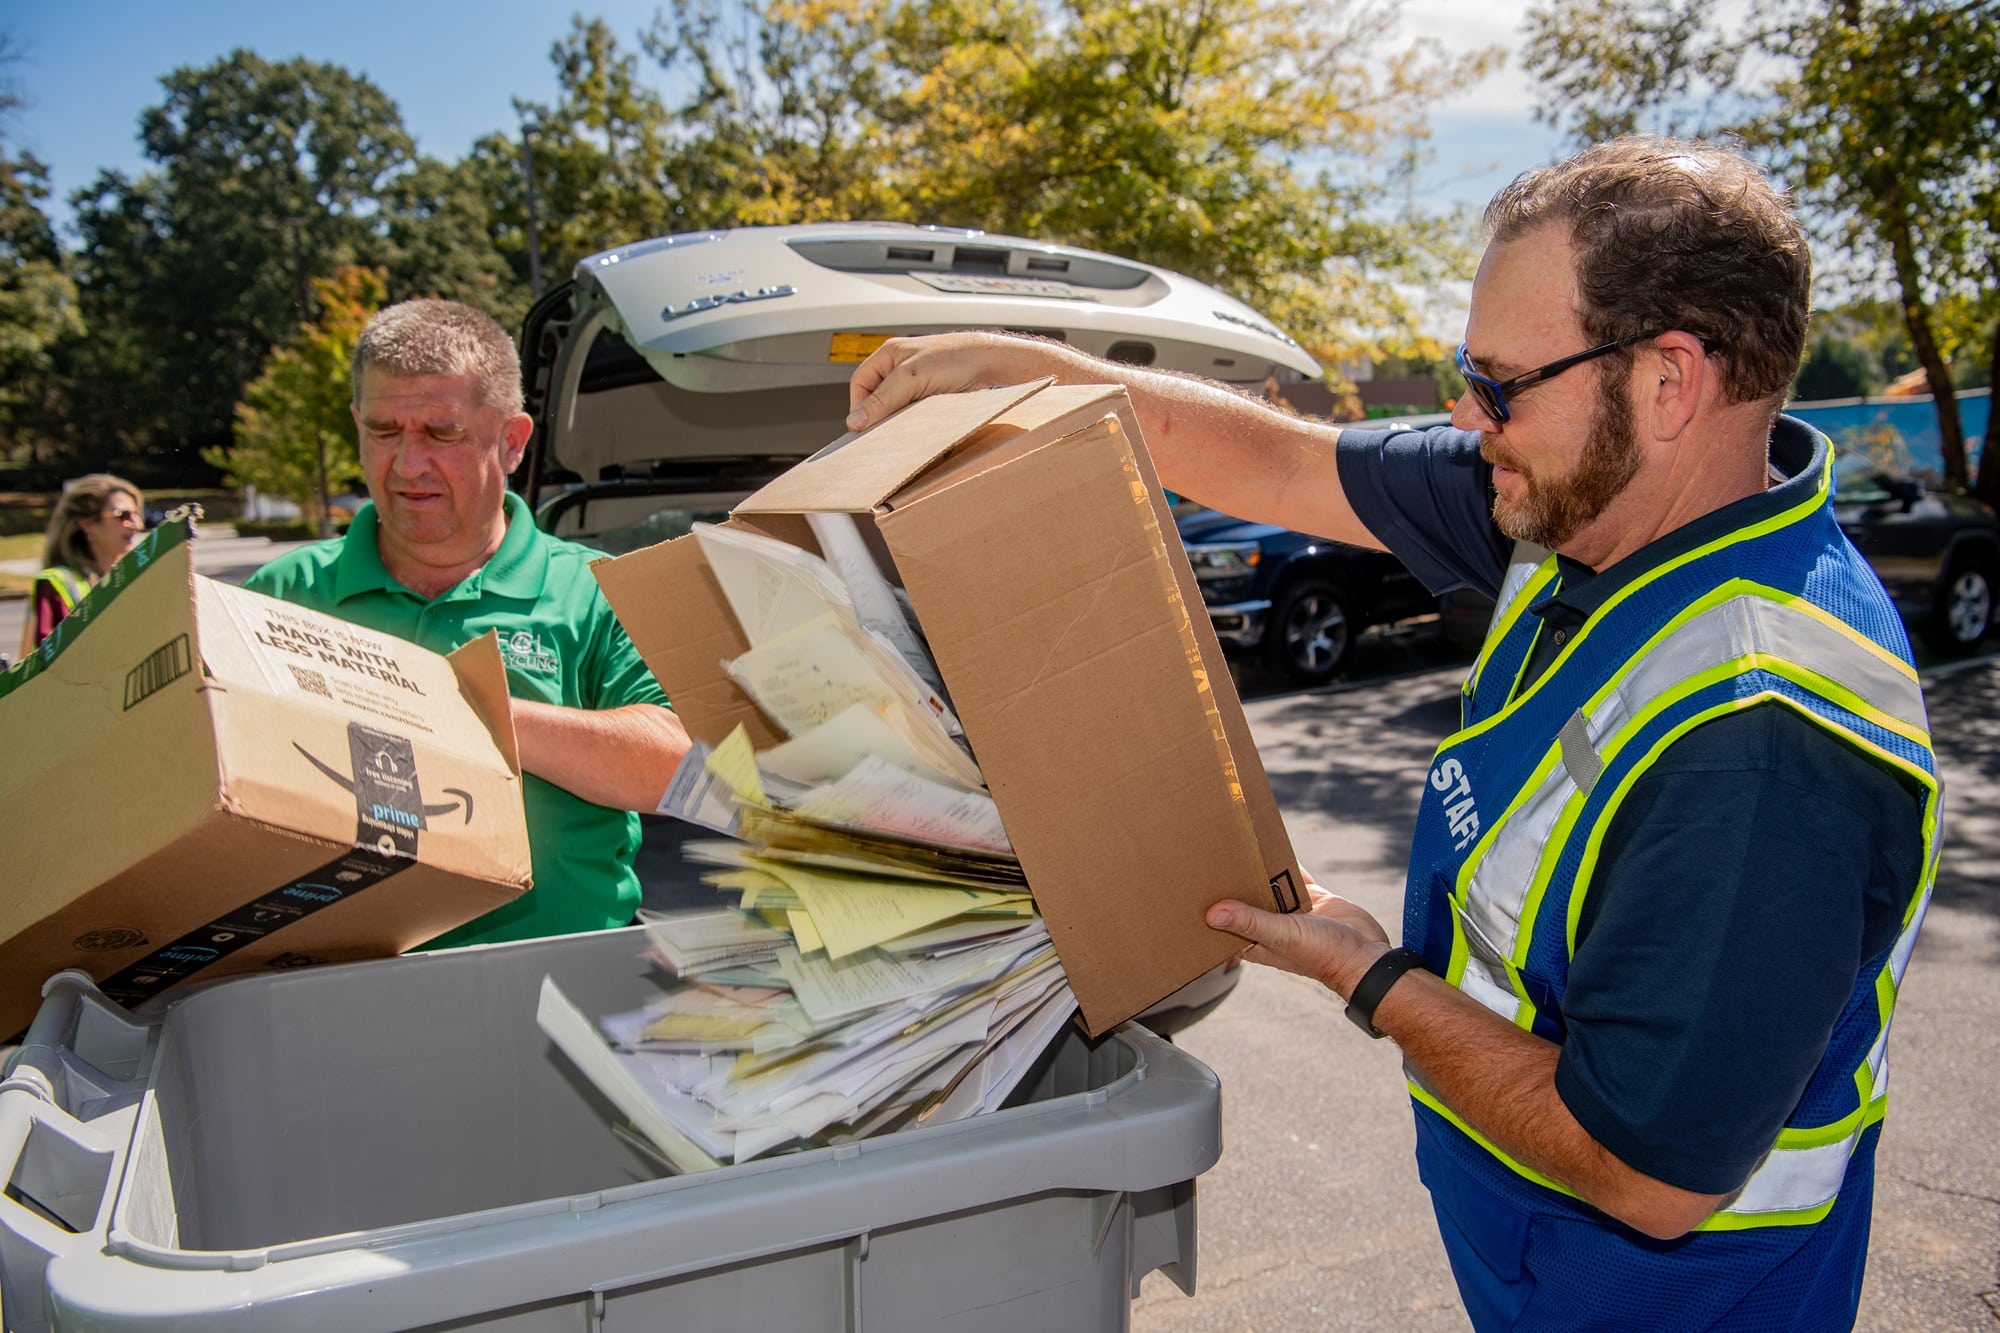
1237, 454
1501, 1081
1210, 442
620, 757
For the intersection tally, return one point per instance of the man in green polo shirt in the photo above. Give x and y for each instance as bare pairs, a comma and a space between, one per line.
443, 553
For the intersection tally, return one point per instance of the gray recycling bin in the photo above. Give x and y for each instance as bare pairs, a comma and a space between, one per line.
395, 1145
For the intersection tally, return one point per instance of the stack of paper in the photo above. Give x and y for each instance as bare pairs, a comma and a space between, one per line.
882, 963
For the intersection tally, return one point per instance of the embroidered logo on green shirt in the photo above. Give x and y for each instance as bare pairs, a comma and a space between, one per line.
523, 650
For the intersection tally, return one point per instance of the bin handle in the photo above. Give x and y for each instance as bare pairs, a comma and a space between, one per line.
36, 1064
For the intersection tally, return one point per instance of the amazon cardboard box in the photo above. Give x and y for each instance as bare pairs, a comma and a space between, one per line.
1029, 530
196, 780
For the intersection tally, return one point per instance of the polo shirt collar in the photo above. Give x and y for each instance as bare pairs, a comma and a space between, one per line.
521, 566
519, 569
1798, 453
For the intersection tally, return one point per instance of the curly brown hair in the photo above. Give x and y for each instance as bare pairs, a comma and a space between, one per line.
1677, 234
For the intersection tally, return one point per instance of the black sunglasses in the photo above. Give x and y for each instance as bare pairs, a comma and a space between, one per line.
1492, 393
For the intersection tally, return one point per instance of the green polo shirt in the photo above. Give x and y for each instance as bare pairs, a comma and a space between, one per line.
562, 645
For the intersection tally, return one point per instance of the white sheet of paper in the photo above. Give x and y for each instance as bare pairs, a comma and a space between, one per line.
987, 1083
566, 1026
875, 603
698, 795
831, 990
832, 749
876, 794
691, 941
772, 586
816, 670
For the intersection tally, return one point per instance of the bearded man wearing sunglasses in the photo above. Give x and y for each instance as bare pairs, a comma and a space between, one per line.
1667, 875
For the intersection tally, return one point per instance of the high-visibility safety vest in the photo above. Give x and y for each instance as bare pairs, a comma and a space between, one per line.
1781, 612
69, 585
71, 588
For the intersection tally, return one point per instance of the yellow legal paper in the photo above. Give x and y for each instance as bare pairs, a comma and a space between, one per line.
701, 1027
804, 931
852, 913
759, 888
734, 763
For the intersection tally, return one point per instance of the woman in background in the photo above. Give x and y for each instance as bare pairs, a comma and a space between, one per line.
98, 519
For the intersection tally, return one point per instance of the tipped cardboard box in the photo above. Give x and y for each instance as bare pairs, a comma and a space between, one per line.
199, 781
1031, 534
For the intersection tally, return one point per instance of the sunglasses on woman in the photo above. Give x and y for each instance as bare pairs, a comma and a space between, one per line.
1492, 393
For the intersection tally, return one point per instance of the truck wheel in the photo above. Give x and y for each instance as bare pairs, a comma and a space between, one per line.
1310, 634
1964, 610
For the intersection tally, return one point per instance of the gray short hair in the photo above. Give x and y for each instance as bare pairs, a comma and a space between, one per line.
442, 338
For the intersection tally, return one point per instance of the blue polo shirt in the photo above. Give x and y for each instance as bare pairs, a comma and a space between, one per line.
1741, 884
562, 645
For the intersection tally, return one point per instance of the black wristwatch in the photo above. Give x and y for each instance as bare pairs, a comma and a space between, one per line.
1375, 983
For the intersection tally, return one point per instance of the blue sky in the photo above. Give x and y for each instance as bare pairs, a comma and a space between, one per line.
87, 68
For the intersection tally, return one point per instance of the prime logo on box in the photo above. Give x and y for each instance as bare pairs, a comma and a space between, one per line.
389, 813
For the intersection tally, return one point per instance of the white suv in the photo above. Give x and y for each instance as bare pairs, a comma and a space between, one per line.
681, 373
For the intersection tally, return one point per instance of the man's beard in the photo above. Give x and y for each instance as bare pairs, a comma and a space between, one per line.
1550, 513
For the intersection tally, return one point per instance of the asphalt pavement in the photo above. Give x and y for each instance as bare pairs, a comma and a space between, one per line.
1314, 1218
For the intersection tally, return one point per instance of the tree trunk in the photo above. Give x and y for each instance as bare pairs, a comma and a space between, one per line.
1989, 450
1917, 318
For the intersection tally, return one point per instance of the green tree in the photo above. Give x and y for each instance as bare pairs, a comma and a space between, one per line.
268, 175
1612, 67
438, 239
1834, 368
294, 431
37, 296
1890, 128
1245, 142
603, 163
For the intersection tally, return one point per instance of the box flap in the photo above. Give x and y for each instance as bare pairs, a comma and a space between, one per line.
482, 680
677, 617
855, 474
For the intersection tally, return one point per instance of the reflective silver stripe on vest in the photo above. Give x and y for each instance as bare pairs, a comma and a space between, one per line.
1580, 758
1521, 567
1752, 624
1789, 1179
1724, 633
1500, 884
1899, 962
1795, 1178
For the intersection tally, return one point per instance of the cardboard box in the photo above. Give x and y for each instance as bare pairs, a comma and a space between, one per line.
199, 781
1029, 529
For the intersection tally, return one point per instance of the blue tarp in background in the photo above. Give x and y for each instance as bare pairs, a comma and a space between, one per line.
1915, 419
